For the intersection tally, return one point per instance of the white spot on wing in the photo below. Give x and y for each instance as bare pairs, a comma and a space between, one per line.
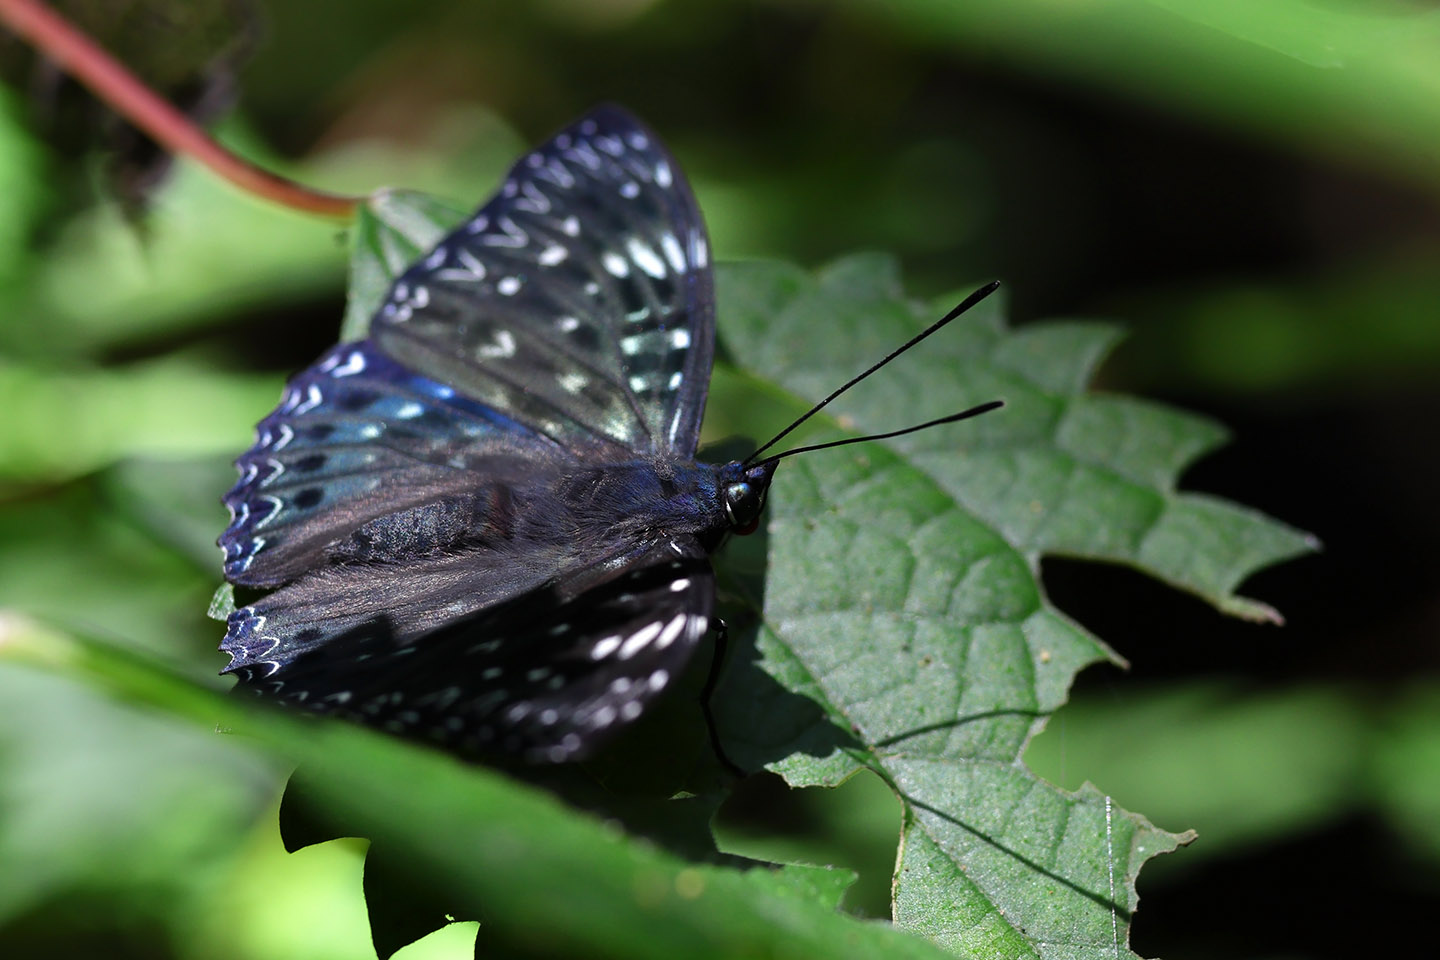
471, 263
275, 504
671, 248
508, 286
503, 346
671, 631
552, 255
535, 201
639, 640
313, 398
645, 258
663, 176
615, 264
355, 363
604, 647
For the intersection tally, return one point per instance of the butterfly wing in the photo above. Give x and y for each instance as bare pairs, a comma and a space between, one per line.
411, 598
358, 437
569, 321
546, 675
578, 301
572, 315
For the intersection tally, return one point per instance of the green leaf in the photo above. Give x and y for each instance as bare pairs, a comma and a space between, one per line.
73, 559
22, 161
222, 604
392, 228
90, 785
90, 417
1404, 766
546, 879
900, 596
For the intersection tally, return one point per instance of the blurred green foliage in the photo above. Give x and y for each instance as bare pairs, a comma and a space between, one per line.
1251, 186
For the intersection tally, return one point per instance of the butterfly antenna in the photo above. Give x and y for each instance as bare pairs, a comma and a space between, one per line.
964, 305
962, 415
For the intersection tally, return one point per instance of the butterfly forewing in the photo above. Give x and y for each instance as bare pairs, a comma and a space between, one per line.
579, 300
355, 438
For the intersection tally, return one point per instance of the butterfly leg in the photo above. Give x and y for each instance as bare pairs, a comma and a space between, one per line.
717, 663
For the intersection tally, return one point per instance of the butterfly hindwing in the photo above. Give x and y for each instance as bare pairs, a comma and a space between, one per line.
546, 675
579, 301
407, 599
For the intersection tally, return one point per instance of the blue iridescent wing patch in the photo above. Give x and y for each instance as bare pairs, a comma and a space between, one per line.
355, 438
483, 524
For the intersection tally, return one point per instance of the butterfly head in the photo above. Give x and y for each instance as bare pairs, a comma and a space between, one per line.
742, 492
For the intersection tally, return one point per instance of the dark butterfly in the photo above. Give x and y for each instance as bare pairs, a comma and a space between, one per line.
484, 524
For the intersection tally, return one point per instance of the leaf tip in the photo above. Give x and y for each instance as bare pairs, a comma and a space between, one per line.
1251, 610
222, 604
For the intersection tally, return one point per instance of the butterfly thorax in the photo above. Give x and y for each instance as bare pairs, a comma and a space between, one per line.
637, 501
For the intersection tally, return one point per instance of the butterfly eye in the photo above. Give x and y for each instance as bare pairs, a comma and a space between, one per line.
743, 503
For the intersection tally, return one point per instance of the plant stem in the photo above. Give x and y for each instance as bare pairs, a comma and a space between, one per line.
78, 55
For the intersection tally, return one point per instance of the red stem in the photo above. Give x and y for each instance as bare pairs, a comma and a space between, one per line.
57, 39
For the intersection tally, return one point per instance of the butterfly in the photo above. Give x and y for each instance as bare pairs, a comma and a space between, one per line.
484, 524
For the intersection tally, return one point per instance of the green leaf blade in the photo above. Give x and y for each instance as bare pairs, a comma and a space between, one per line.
545, 877
902, 587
